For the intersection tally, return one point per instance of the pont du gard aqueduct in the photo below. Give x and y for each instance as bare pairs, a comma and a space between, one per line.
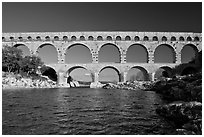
95, 41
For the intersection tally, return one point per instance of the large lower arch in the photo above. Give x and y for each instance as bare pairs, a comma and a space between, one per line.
78, 53
137, 73
24, 48
137, 53
48, 53
164, 53
109, 74
80, 74
189, 70
109, 53
188, 53
164, 71
49, 72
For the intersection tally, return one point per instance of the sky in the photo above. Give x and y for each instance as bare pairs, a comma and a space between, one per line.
120, 16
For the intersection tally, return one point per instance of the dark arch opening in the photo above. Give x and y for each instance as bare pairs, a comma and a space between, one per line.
164, 53
65, 38
196, 39
3, 39
12, 38
127, 38
99, 38
137, 73
43, 51
82, 38
189, 38
29, 38
109, 38
47, 38
38, 38
188, 70
137, 53
80, 74
164, 72
118, 38
25, 50
49, 72
155, 38
173, 38
188, 53
56, 38
73, 38
109, 74
78, 53
90, 38
20, 38
109, 53
164, 38
137, 38
181, 38
146, 38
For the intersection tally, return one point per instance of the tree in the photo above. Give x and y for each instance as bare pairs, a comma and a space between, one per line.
30, 64
11, 56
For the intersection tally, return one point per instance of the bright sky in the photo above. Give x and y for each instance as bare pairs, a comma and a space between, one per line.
172, 17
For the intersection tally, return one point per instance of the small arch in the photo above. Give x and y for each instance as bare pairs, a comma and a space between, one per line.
56, 38
3, 39
90, 38
65, 38
99, 38
82, 38
12, 38
189, 38
137, 38
155, 38
141, 74
118, 38
127, 38
173, 38
47, 38
145, 38
20, 38
38, 38
108, 38
29, 38
164, 38
196, 38
181, 38
73, 38
112, 74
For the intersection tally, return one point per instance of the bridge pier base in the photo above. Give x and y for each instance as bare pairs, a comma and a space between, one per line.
61, 78
151, 76
96, 75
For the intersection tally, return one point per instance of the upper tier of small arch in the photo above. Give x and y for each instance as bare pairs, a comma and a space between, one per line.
102, 36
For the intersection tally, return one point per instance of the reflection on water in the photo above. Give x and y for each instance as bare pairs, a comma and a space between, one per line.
78, 111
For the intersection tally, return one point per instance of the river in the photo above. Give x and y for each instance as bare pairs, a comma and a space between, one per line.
80, 111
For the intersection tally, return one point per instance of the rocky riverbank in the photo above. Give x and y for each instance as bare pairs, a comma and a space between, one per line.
184, 111
16, 81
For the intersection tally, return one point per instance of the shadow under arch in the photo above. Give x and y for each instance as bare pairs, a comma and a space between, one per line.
112, 54
86, 74
161, 54
48, 53
49, 72
25, 50
142, 76
137, 51
118, 79
78, 53
185, 57
164, 71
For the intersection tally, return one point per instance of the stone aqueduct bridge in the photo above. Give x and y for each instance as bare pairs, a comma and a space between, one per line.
95, 40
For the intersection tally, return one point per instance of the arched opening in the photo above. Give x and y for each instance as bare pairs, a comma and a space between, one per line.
12, 38
56, 38
164, 38
90, 38
109, 38
38, 38
24, 48
99, 38
29, 38
47, 53
163, 72
164, 53
146, 38
137, 53
137, 73
65, 38
73, 38
188, 70
20, 38
49, 72
196, 39
109, 74
78, 53
181, 38
127, 38
80, 74
109, 53
82, 38
137, 38
188, 53
173, 38
189, 38
155, 38
47, 38
3, 39
118, 38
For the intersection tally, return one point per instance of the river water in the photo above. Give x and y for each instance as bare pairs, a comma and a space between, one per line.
80, 111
